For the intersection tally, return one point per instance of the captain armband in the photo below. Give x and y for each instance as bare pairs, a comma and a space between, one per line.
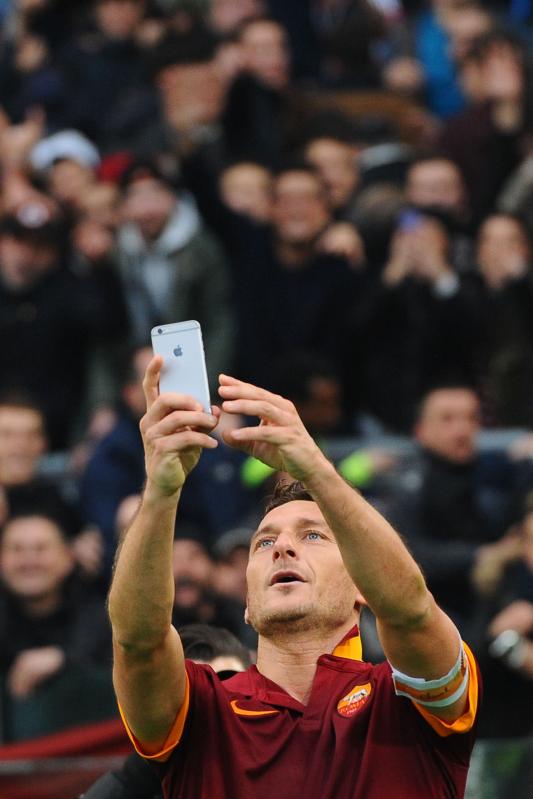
434, 693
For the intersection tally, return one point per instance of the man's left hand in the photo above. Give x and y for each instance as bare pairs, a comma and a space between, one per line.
280, 440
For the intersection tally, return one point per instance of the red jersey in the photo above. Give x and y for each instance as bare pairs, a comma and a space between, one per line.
246, 738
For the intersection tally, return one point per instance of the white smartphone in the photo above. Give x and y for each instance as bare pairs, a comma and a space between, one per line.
183, 370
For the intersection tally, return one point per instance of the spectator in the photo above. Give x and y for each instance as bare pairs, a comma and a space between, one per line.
434, 183
260, 113
335, 159
30, 80
50, 317
461, 502
501, 306
506, 646
170, 265
441, 36
485, 139
246, 188
48, 619
68, 162
292, 295
110, 96
195, 600
417, 320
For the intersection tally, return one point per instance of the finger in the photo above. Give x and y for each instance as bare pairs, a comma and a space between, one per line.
186, 439
151, 380
167, 403
261, 408
266, 433
230, 388
180, 420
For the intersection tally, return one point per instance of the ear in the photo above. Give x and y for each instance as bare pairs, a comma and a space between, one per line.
360, 601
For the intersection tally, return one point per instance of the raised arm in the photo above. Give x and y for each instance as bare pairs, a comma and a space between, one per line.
418, 638
149, 672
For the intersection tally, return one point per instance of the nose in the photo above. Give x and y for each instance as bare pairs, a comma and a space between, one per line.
284, 547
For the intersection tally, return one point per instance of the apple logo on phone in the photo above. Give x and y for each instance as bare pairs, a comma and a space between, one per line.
178, 351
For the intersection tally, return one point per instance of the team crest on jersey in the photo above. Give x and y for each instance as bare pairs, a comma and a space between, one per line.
354, 701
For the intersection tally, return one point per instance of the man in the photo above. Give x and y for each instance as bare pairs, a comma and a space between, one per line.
48, 620
51, 319
457, 503
170, 265
310, 717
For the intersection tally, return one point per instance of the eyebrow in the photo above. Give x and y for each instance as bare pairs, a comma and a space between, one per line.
301, 523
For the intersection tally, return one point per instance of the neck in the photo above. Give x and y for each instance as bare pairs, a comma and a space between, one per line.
41, 606
293, 255
290, 659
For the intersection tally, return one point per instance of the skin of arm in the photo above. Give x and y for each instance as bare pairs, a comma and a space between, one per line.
149, 670
417, 636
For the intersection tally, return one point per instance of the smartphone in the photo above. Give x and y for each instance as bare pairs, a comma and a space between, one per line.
184, 369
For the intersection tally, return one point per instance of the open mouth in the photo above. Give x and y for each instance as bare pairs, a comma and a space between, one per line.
286, 577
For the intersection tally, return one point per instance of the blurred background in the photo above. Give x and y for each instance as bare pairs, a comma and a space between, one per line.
341, 193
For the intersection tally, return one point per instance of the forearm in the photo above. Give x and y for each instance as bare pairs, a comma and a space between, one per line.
142, 593
373, 553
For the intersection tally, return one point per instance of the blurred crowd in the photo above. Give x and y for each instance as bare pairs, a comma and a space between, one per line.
341, 193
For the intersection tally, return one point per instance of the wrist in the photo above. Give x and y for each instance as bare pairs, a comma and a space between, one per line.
154, 494
323, 472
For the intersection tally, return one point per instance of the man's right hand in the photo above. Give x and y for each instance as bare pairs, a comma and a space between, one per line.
174, 430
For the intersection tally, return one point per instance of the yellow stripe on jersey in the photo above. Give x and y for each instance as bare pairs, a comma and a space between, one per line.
172, 739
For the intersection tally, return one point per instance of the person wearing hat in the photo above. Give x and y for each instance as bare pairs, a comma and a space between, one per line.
50, 317
310, 717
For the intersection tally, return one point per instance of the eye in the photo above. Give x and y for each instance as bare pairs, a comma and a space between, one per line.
312, 535
264, 543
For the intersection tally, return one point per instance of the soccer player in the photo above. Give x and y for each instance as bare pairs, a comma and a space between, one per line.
311, 719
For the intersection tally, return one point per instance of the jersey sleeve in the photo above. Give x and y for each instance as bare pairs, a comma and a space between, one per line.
172, 739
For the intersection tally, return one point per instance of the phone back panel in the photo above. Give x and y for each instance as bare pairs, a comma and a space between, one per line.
184, 369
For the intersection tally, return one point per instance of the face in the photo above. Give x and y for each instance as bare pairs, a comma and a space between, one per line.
266, 53
296, 577
22, 442
450, 423
225, 16
321, 412
99, 204
464, 27
148, 204
501, 239
69, 181
192, 94
436, 184
192, 568
336, 163
132, 392
119, 19
23, 263
34, 558
300, 211
247, 189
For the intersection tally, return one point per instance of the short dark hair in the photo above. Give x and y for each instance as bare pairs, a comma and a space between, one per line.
16, 398
205, 642
197, 46
287, 491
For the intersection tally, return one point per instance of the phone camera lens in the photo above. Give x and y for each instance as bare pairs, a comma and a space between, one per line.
160, 331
